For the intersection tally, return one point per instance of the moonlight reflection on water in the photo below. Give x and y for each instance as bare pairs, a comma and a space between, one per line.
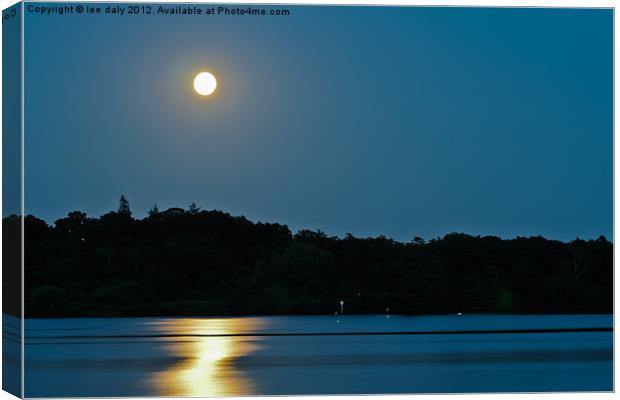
206, 367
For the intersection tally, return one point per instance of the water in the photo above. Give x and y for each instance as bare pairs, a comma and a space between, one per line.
238, 356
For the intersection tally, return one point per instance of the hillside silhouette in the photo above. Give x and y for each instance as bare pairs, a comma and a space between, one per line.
192, 262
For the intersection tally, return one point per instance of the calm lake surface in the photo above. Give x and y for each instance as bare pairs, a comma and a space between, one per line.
240, 356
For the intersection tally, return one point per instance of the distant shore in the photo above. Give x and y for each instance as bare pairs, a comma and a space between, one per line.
193, 263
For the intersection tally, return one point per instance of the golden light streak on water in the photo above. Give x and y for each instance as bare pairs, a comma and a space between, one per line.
206, 364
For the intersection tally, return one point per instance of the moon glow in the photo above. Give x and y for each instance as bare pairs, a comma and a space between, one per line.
205, 83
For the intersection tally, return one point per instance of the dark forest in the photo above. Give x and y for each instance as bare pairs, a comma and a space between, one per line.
197, 263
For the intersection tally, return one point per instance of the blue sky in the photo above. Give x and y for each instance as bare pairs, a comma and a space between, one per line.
368, 120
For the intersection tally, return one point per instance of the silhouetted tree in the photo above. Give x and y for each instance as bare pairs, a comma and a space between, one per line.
153, 212
72, 222
418, 240
123, 206
193, 209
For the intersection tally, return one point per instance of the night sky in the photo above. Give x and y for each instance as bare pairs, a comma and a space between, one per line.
374, 120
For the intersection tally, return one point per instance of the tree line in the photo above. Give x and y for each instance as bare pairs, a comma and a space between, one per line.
182, 262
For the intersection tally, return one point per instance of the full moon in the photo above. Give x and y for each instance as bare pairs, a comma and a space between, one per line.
205, 83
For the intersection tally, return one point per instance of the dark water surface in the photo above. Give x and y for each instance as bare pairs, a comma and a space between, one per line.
317, 355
